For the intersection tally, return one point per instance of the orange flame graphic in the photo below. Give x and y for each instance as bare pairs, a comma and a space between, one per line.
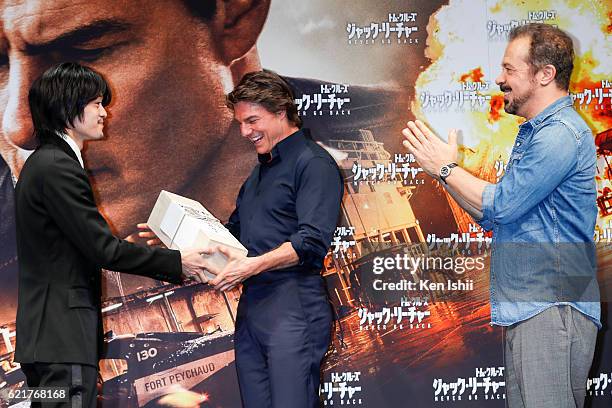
475, 75
497, 103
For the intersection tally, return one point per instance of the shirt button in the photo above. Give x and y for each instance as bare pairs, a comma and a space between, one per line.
518, 143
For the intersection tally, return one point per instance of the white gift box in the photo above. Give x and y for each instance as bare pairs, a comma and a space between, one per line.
181, 223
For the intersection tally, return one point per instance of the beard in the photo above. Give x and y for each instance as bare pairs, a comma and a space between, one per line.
513, 106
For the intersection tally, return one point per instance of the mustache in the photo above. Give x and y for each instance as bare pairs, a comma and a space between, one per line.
505, 88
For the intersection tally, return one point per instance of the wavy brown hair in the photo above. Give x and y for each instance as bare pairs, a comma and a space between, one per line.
268, 89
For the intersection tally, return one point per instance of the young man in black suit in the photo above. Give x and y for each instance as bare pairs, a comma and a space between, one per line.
63, 241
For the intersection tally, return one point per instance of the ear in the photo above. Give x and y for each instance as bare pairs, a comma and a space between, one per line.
239, 23
281, 114
547, 74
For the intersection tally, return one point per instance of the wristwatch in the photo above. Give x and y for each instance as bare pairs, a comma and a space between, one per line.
446, 170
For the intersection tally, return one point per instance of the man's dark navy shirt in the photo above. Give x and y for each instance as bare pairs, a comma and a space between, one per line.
292, 195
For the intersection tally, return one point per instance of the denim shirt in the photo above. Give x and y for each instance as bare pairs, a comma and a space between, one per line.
542, 213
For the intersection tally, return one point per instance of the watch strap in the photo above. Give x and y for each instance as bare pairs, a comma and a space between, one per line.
449, 166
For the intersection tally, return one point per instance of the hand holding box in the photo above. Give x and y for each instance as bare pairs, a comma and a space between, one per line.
181, 223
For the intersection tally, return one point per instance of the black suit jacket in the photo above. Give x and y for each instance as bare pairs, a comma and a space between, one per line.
62, 243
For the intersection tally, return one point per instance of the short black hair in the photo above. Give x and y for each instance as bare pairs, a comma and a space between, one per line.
60, 95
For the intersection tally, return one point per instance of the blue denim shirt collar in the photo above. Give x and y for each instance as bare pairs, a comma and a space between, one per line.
550, 110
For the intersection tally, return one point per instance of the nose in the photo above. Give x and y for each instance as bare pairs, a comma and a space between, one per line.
245, 130
103, 114
16, 120
500, 79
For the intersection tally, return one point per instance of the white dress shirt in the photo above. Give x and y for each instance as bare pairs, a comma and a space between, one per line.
73, 146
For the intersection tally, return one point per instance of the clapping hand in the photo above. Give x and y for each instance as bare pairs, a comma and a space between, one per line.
430, 152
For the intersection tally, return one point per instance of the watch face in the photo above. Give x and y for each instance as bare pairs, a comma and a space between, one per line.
444, 171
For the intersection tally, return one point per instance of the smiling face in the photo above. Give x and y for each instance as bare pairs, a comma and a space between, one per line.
264, 129
155, 141
90, 125
517, 80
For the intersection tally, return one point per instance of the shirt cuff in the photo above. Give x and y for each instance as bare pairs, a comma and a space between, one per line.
297, 242
488, 214
174, 270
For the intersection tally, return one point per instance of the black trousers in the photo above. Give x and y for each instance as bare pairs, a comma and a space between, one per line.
80, 379
283, 330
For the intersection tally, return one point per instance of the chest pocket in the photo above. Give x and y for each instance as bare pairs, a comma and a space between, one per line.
515, 157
